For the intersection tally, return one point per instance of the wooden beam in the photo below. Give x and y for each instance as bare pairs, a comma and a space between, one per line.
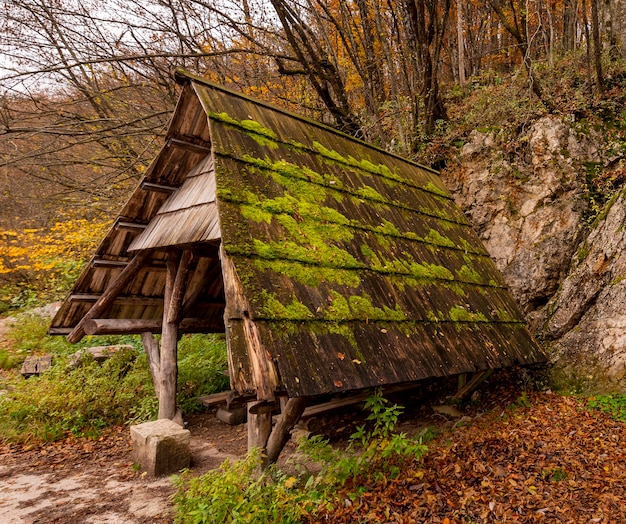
125, 326
229, 397
155, 265
473, 383
127, 300
129, 226
59, 331
178, 291
120, 326
157, 188
111, 293
189, 146
288, 419
101, 262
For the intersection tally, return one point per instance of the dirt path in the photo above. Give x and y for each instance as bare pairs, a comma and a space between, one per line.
94, 482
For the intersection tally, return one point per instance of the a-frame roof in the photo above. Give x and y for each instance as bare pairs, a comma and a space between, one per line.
341, 266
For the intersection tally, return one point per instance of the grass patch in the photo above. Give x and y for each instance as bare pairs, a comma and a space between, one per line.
237, 492
83, 400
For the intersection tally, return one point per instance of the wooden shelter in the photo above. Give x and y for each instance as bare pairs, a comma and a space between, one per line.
331, 265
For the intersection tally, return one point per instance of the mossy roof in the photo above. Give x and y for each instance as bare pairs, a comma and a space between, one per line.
357, 267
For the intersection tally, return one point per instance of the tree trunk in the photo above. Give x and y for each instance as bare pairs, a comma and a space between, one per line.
568, 39
460, 40
597, 46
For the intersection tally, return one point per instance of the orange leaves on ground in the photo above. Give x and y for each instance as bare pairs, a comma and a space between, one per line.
550, 462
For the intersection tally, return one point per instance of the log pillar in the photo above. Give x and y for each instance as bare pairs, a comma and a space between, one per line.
169, 345
288, 419
259, 425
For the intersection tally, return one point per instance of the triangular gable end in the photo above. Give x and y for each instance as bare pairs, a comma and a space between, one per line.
343, 267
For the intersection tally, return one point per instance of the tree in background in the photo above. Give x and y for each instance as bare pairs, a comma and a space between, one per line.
86, 89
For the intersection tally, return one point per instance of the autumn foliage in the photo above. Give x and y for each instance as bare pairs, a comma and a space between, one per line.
48, 260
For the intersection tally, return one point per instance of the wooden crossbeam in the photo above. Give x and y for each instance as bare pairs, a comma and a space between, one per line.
157, 188
129, 226
189, 146
126, 300
101, 262
472, 384
111, 293
117, 326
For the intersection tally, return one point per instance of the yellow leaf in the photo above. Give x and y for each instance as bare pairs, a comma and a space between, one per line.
290, 482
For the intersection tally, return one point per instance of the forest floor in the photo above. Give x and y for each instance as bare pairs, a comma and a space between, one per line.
512, 457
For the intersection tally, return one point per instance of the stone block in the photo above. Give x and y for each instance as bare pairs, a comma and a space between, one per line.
161, 447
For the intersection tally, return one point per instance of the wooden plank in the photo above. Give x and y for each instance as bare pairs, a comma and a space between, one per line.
189, 146
36, 365
122, 300
111, 293
100, 262
225, 397
130, 226
194, 192
186, 226
59, 331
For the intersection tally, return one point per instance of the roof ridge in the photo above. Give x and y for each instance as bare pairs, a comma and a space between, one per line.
182, 76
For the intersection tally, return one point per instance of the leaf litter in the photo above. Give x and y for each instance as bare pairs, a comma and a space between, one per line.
547, 458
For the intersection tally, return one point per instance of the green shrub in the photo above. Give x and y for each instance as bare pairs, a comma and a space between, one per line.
614, 405
82, 401
202, 369
8, 360
237, 492
78, 401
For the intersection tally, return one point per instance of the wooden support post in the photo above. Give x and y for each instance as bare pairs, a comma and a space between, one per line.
470, 386
259, 426
288, 419
462, 381
169, 343
153, 353
180, 283
108, 297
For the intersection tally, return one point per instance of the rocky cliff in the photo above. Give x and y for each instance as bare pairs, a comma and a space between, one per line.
563, 257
